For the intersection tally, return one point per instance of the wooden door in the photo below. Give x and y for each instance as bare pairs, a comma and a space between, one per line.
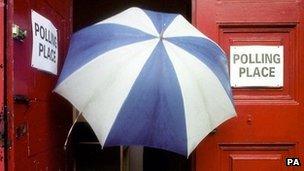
38, 119
269, 126
2, 108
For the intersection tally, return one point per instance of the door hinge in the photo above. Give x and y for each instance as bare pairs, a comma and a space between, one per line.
18, 33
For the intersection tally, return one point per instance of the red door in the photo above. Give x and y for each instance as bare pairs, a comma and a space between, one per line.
2, 85
38, 120
270, 122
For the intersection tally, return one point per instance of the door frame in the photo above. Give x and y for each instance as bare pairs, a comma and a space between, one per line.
9, 154
2, 102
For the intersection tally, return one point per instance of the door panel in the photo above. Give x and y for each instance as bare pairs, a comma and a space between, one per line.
40, 126
269, 125
255, 156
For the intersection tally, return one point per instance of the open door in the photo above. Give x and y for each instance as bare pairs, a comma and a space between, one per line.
38, 119
269, 126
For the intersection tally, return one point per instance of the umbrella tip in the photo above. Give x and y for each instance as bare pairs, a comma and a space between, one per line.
161, 35
134, 8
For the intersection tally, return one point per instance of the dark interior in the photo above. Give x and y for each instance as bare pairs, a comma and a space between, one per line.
87, 12
87, 153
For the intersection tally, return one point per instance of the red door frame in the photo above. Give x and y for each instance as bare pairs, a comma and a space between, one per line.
2, 51
8, 81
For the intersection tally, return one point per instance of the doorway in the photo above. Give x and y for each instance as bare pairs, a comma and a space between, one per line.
87, 152
86, 13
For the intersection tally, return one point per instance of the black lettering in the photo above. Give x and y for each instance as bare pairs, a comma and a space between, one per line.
53, 56
268, 58
52, 39
271, 72
236, 57
49, 53
55, 41
41, 32
48, 37
247, 70
244, 58
41, 48
256, 72
242, 71
45, 53
250, 59
36, 29
276, 58
257, 59
264, 71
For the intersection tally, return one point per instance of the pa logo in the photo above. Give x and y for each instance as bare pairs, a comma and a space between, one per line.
292, 161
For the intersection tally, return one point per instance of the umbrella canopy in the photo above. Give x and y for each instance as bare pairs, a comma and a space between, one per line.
147, 78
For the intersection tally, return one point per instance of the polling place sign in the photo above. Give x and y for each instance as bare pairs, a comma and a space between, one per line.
45, 44
256, 66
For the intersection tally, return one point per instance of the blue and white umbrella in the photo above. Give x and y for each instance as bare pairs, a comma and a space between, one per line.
147, 78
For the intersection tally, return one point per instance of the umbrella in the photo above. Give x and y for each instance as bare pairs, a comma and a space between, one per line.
147, 78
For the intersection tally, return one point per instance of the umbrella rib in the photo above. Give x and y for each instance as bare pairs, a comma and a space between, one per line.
114, 80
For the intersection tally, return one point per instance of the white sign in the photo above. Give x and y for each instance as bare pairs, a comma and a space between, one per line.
45, 44
256, 66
